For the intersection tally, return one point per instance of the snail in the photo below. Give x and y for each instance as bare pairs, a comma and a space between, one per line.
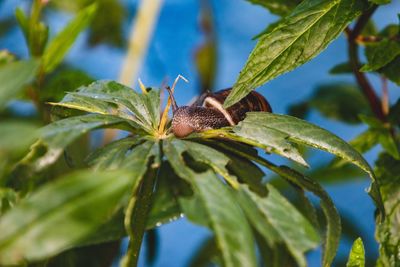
208, 113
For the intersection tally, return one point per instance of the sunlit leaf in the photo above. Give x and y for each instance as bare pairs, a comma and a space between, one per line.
303, 132
300, 36
109, 97
357, 254
270, 139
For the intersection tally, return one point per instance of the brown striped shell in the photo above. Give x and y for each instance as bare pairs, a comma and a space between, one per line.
204, 113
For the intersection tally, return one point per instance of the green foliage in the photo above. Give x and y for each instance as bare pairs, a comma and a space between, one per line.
388, 173
381, 54
79, 203
113, 105
291, 226
380, 2
357, 254
215, 178
106, 25
58, 47
298, 38
22, 72
65, 80
342, 102
278, 7
342, 68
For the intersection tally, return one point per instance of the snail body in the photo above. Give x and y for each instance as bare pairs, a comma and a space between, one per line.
207, 112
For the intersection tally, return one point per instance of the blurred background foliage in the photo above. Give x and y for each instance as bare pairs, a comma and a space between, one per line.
49, 48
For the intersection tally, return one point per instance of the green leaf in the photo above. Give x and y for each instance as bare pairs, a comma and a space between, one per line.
237, 247
66, 80
60, 134
392, 70
206, 254
300, 36
270, 139
333, 230
387, 232
165, 207
8, 198
295, 230
107, 24
357, 254
257, 218
59, 46
109, 97
246, 172
60, 214
16, 137
139, 204
384, 135
112, 155
342, 68
343, 102
380, 2
390, 31
331, 214
207, 155
305, 133
6, 57
277, 7
23, 22
13, 77
381, 54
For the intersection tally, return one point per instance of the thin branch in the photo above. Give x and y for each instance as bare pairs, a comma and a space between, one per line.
362, 80
136, 216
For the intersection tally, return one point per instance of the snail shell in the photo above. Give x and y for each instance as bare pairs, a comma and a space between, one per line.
207, 112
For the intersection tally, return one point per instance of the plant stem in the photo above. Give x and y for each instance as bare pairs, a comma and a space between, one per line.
385, 96
362, 80
139, 39
136, 216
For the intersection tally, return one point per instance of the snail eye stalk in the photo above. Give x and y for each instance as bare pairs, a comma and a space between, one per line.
173, 102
